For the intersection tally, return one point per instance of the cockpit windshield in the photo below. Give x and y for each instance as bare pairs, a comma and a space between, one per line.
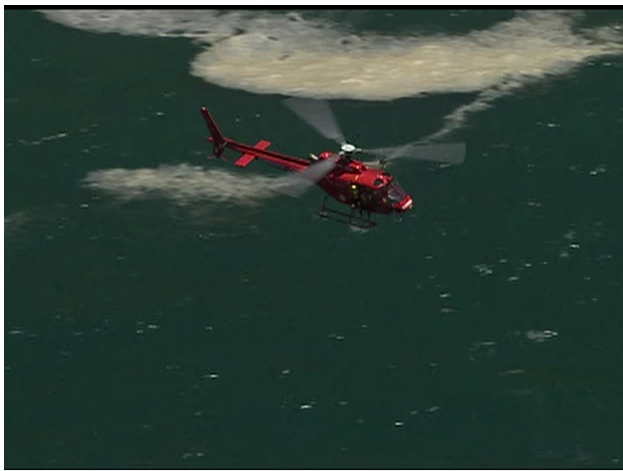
395, 192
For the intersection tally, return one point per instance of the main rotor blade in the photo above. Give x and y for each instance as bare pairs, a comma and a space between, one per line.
318, 114
297, 183
446, 153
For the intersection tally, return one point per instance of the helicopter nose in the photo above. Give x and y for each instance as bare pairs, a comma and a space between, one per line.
405, 205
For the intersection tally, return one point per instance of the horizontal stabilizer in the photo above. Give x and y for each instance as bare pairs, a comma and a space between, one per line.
247, 158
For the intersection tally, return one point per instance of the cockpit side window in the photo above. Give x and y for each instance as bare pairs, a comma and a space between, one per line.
395, 192
398, 187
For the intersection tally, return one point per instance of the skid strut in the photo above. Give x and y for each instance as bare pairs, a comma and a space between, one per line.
352, 219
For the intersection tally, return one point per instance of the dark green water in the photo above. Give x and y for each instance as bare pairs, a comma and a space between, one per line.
484, 330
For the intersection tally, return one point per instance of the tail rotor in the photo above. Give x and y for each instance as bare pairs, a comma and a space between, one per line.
217, 138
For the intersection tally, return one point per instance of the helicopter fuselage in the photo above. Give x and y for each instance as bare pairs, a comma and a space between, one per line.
350, 181
353, 183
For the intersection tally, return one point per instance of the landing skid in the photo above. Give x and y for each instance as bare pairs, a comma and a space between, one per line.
361, 221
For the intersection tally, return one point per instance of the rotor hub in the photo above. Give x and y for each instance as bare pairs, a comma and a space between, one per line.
348, 148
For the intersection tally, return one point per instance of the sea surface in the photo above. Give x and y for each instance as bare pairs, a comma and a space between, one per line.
164, 310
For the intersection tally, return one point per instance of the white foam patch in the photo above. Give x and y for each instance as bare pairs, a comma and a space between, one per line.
286, 54
314, 62
195, 24
458, 117
184, 184
15, 221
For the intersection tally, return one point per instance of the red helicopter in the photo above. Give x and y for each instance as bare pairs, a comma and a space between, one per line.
349, 181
